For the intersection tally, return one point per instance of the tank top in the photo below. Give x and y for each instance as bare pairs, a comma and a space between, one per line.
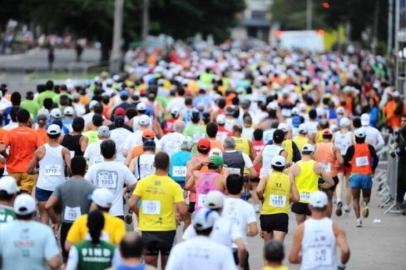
361, 161
72, 143
51, 168
307, 181
95, 257
234, 161
269, 152
301, 141
343, 141
325, 156
288, 147
242, 144
92, 136
206, 183
276, 195
258, 147
319, 245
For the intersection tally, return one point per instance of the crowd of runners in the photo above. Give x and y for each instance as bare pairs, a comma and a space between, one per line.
188, 155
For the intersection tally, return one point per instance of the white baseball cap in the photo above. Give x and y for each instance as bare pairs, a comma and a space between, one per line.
345, 122
143, 120
365, 119
318, 199
9, 184
141, 107
360, 133
69, 111
24, 204
309, 148
302, 128
54, 129
56, 113
93, 104
214, 200
175, 111
102, 197
283, 126
278, 161
221, 119
205, 218
103, 132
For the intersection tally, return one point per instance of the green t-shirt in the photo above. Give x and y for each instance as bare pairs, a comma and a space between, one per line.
46, 94
6, 214
196, 132
94, 257
31, 106
92, 136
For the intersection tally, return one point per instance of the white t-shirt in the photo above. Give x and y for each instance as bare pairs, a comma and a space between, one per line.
200, 253
111, 175
144, 165
171, 142
135, 123
343, 141
135, 139
176, 102
88, 118
240, 213
224, 232
93, 153
119, 136
374, 137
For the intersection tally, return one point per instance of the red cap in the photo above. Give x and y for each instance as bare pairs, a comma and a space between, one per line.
203, 144
119, 111
148, 134
327, 131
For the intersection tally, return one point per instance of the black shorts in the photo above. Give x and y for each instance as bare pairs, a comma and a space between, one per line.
301, 208
275, 222
191, 207
255, 179
333, 188
246, 264
158, 242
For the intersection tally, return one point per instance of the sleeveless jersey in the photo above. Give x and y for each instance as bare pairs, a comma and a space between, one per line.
325, 156
235, 162
361, 161
95, 257
206, 183
276, 195
51, 168
307, 181
177, 168
288, 147
72, 143
343, 141
242, 144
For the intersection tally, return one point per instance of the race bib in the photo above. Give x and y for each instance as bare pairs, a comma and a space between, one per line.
106, 179
304, 196
234, 171
201, 198
72, 154
321, 256
179, 171
72, 213
151, 207
53, 170
326, 166
361, 161
277, 200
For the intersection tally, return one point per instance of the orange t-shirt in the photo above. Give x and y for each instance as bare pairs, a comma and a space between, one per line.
42, 135
23, 142
216, 144
3, 133
137, 151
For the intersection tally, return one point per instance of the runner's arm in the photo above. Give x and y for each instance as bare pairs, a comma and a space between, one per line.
49, 206
374, 157
83, 143
342, 243
261, 187
73, 259
329, 181
295, 257
338, 155
67, 159
294, 192
252, 150
133, 203
258, 160
34, 162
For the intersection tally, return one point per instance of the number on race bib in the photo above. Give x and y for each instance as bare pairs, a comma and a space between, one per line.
304, 196
53, 170
179, 171
321, 256
234, 171
151, 207
72, 213
361, 161
277, 200
106, 179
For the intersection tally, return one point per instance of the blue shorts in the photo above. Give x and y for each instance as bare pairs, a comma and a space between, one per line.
42, 195
361, 181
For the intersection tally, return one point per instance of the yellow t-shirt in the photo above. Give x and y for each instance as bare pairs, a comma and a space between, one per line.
277, 194
242, 144
307, 181
300, 141
282, 267
113, 231
288, 147
158, 195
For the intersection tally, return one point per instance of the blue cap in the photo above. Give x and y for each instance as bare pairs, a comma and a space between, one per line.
124, 93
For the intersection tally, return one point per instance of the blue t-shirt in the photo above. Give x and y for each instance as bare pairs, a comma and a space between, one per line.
127, 267
177, 168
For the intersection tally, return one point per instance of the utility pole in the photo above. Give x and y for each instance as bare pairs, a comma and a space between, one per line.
115, 59
145, 20
390, 27
375, 27
309, 14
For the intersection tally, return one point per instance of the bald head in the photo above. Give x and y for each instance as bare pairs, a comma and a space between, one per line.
131, 246
179, 126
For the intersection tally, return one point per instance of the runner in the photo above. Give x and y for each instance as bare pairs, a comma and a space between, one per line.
343, 139
195, 129
119, 134
276, 192
93, 151
143, 165
160, 199
74, 141
329, 156
211, 131
112, 175
223, 132
26, 243
21, 143
374, 136
73, 198
241, 143
241, 213
51, 158
301, 139
201, 252
113, 230
8, 192
315, 241
179, 161
92, 132
305, 174
273, 255
237, 162
363, 161
170, 142
95, 253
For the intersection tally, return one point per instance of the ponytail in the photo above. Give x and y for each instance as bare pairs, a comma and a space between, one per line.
95, 224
